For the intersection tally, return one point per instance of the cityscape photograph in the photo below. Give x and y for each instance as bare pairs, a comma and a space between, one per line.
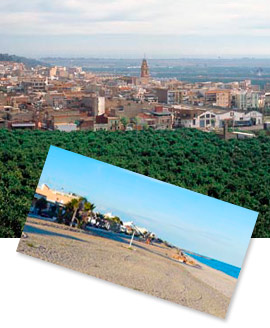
138, 232
182, 100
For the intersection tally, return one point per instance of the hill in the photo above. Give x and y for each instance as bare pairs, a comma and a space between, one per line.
236, 171
17, 59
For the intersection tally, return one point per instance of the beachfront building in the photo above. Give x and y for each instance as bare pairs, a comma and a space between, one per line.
52, 197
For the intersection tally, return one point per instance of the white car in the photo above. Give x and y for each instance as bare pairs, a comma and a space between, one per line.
123, 229
93, 221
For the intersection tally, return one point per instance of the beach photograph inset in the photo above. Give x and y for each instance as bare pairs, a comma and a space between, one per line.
137, 232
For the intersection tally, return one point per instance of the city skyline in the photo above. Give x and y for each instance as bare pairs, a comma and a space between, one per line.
141, 199
118, 28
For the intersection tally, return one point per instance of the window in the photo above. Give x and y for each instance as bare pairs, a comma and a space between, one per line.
207, 121
202, 123
207, 115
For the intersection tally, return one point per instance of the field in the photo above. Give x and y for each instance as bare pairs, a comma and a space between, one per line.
234, 171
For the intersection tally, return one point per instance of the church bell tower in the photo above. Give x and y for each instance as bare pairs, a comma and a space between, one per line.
144, 69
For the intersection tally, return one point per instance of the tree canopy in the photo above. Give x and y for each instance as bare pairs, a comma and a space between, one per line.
236, 171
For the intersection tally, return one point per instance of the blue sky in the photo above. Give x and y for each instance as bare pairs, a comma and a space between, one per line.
184, 218
130, 28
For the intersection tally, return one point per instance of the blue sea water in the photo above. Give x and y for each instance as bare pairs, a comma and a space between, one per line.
229, 269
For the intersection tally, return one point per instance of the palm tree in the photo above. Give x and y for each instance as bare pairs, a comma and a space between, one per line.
75, 205
71, 207
116, 219
89, 207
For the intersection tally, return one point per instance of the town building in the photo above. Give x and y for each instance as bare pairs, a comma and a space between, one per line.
106, 123
34, 84
168, 96
219, 98
70, 99
213, 119
247, 100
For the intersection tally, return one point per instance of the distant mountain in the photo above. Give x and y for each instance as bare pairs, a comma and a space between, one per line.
27, 61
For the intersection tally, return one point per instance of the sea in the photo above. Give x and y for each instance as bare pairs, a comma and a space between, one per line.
229, 269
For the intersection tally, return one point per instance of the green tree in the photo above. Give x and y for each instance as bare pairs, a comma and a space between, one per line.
74, 206
116, 219
236, 171
136, 120
80, 209
124, 120
89, 208
41, 204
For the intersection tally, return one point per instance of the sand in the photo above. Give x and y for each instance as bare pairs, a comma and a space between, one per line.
146, 268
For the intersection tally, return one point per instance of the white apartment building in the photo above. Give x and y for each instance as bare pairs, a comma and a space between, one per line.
267, 100
101, 105
240, 118
210, 119
246, 99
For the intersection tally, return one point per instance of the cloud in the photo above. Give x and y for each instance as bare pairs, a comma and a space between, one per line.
174, 17
131, 27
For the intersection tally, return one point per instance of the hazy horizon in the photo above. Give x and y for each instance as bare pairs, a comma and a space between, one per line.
138, 57
29, 54
190, 57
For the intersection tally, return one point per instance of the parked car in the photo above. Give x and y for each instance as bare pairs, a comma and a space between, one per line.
93, 222
44, 214
107, 225
128, 231
100, 223
123, 229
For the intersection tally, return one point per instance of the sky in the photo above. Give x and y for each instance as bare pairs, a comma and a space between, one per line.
130, 28
184, 218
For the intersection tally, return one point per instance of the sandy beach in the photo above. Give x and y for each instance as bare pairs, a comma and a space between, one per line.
146, 268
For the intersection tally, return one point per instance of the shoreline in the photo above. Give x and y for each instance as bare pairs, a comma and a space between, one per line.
210, 259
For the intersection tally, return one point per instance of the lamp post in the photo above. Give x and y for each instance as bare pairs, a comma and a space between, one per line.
131, 240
